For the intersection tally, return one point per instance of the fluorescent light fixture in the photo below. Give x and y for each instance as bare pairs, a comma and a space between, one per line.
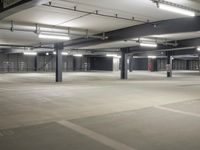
176, 10
77, 55
65, 53
148, 44
113, 55
30, 53
54, 37
198, 48
152, 57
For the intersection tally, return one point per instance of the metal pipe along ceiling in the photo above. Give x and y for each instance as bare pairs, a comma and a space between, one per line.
35, 28
96, 12
175, 5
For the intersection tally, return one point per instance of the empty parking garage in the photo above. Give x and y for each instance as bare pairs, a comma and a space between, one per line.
99, 75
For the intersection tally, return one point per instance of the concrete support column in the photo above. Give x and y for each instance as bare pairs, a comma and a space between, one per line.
199, 61
74, 63
124, 64
131, 61
17, 62
187, 65
35, 63
58, 47
169, 64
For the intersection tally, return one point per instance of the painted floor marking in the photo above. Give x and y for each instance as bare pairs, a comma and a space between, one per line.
1, 134
8, 132
177, 111
96, 136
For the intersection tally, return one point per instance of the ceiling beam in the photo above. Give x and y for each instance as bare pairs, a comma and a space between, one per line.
188, 44
8, 8
185, 52
156, 28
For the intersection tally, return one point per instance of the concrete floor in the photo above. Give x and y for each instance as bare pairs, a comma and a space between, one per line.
97, 111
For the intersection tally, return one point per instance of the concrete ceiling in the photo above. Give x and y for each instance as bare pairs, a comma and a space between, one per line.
179, 36
143, 10
153, 38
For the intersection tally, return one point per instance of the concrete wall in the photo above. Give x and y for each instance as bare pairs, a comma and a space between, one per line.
101, 63
193, 64
138, 64
116, 64
178, 64
43, 63
21, 63
161, 64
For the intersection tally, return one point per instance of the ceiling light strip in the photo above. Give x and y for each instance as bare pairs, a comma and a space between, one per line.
178, 6
152, 57
30, 53
113, 55
149, 45
53, 37
176, 10
77, 55
65, 53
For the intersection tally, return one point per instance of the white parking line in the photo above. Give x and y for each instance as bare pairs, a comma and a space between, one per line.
8, 132
177, 111
4, 89
1, 134
96, 136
